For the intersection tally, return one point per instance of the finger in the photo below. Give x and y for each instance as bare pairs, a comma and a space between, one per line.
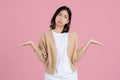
100, 43
23, 44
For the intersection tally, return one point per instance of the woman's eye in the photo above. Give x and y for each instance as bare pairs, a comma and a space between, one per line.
60, 14
66, 17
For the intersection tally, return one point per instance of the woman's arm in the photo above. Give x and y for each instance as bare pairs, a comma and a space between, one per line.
85, 47
41, 54
82, 50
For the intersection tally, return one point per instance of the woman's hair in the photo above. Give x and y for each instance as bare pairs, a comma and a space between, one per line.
67, 26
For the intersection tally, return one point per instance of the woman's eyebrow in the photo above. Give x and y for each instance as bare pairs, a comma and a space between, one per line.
64, 14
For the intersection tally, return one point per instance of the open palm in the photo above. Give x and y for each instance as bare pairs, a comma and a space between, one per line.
92, 41
25, 43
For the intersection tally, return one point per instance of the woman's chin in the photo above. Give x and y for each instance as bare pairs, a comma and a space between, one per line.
59, 24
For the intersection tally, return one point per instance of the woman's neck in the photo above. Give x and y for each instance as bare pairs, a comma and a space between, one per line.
58, 29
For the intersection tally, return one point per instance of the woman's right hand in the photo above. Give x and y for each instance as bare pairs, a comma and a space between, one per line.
25, 43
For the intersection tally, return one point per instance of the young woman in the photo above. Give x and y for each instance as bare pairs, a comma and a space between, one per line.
58, 48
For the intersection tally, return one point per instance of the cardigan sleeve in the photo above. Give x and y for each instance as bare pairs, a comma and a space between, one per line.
78, 54
41, 49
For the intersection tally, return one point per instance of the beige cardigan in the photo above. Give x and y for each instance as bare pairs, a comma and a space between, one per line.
46, 51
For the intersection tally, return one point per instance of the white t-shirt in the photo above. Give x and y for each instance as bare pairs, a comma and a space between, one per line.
62, 65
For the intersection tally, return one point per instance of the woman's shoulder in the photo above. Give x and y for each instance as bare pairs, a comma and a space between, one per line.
46, 33
73, 33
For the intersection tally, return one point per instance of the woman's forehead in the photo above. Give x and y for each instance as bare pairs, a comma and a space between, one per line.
64, 12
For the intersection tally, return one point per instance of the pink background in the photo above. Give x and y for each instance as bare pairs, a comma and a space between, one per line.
23, 20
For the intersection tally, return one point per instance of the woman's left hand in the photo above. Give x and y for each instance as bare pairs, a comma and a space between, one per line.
92, 41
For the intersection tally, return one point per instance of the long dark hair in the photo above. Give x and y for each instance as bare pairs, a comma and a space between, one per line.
67, 26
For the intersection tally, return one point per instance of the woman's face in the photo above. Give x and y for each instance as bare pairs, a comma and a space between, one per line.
62, 18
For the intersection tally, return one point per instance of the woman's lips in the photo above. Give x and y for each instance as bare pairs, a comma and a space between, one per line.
60, 22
